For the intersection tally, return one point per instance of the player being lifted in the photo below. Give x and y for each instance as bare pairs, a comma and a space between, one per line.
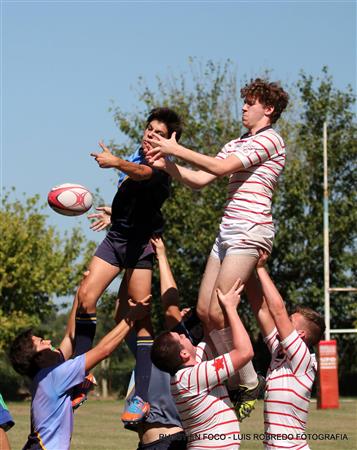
135, 216
253, 162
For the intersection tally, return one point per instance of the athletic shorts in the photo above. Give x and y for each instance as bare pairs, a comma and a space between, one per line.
224, 246
6, 420
177, 441
125, 253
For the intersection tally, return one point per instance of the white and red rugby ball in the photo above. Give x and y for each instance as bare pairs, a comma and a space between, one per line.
70, 199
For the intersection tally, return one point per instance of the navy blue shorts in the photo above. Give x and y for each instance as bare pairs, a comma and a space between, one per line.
125, 253
175, 441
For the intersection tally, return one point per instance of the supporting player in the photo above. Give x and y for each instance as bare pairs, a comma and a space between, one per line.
197, 380
292, 369
162, 429
254, 162
135, 216
6, 422
53, 375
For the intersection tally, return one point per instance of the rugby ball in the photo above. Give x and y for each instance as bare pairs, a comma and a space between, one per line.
70, 199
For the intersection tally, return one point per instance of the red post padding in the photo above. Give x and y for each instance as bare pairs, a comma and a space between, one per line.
327, 389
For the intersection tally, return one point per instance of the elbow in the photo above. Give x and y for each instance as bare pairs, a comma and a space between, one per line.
219, 171
247, 356
249, 353
140, 176
142, 173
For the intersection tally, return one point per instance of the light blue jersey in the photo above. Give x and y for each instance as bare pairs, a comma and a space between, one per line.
51, 408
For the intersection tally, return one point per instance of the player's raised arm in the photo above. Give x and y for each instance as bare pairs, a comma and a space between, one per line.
259, 305
67, 344
210, 164
242, 351
168, 288
194, 179
274, 300
107, 160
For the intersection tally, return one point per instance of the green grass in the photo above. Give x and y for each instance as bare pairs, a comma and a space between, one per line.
97, 426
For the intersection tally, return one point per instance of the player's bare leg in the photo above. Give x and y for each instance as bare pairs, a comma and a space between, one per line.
101, 274
210, 275
233, 266
246, 384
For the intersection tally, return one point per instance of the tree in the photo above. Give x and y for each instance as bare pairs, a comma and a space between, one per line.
36, 264
297, 259
208, 103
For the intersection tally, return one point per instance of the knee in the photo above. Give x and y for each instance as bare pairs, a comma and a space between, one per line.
202, 312
86, 299
215, 316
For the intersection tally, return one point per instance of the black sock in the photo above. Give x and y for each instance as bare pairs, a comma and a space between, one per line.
85, 331
143, 366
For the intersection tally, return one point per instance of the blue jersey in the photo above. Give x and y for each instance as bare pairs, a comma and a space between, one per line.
51, 408
136, 157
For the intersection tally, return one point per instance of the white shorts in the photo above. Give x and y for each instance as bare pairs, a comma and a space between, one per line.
221, 248
242, 237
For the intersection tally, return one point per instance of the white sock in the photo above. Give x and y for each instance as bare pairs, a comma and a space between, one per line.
246, 376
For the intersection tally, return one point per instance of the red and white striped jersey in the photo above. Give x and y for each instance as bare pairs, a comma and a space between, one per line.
251, 189
202, 401
288, 390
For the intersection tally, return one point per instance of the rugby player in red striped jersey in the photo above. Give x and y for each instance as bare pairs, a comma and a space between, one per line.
292, 369
253, 162
197, 379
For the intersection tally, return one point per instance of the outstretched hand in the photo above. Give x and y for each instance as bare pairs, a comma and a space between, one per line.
139, 309
162, 146
105, 159
263, 258
232, 298
160, 162
103, 218
158, 245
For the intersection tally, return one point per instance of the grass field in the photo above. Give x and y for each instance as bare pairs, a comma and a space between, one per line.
97, 427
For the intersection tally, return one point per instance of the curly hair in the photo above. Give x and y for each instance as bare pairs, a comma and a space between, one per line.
268, 94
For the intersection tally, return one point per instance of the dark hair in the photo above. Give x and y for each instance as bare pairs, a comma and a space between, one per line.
21, 353
268, 94
169, 117
165, 353
315, 322
26, 360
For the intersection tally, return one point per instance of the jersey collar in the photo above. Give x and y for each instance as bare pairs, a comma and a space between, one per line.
245, 135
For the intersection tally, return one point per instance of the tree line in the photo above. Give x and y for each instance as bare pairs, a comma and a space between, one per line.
37, 264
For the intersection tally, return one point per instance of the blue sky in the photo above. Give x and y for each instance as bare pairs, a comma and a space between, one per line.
62, 63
